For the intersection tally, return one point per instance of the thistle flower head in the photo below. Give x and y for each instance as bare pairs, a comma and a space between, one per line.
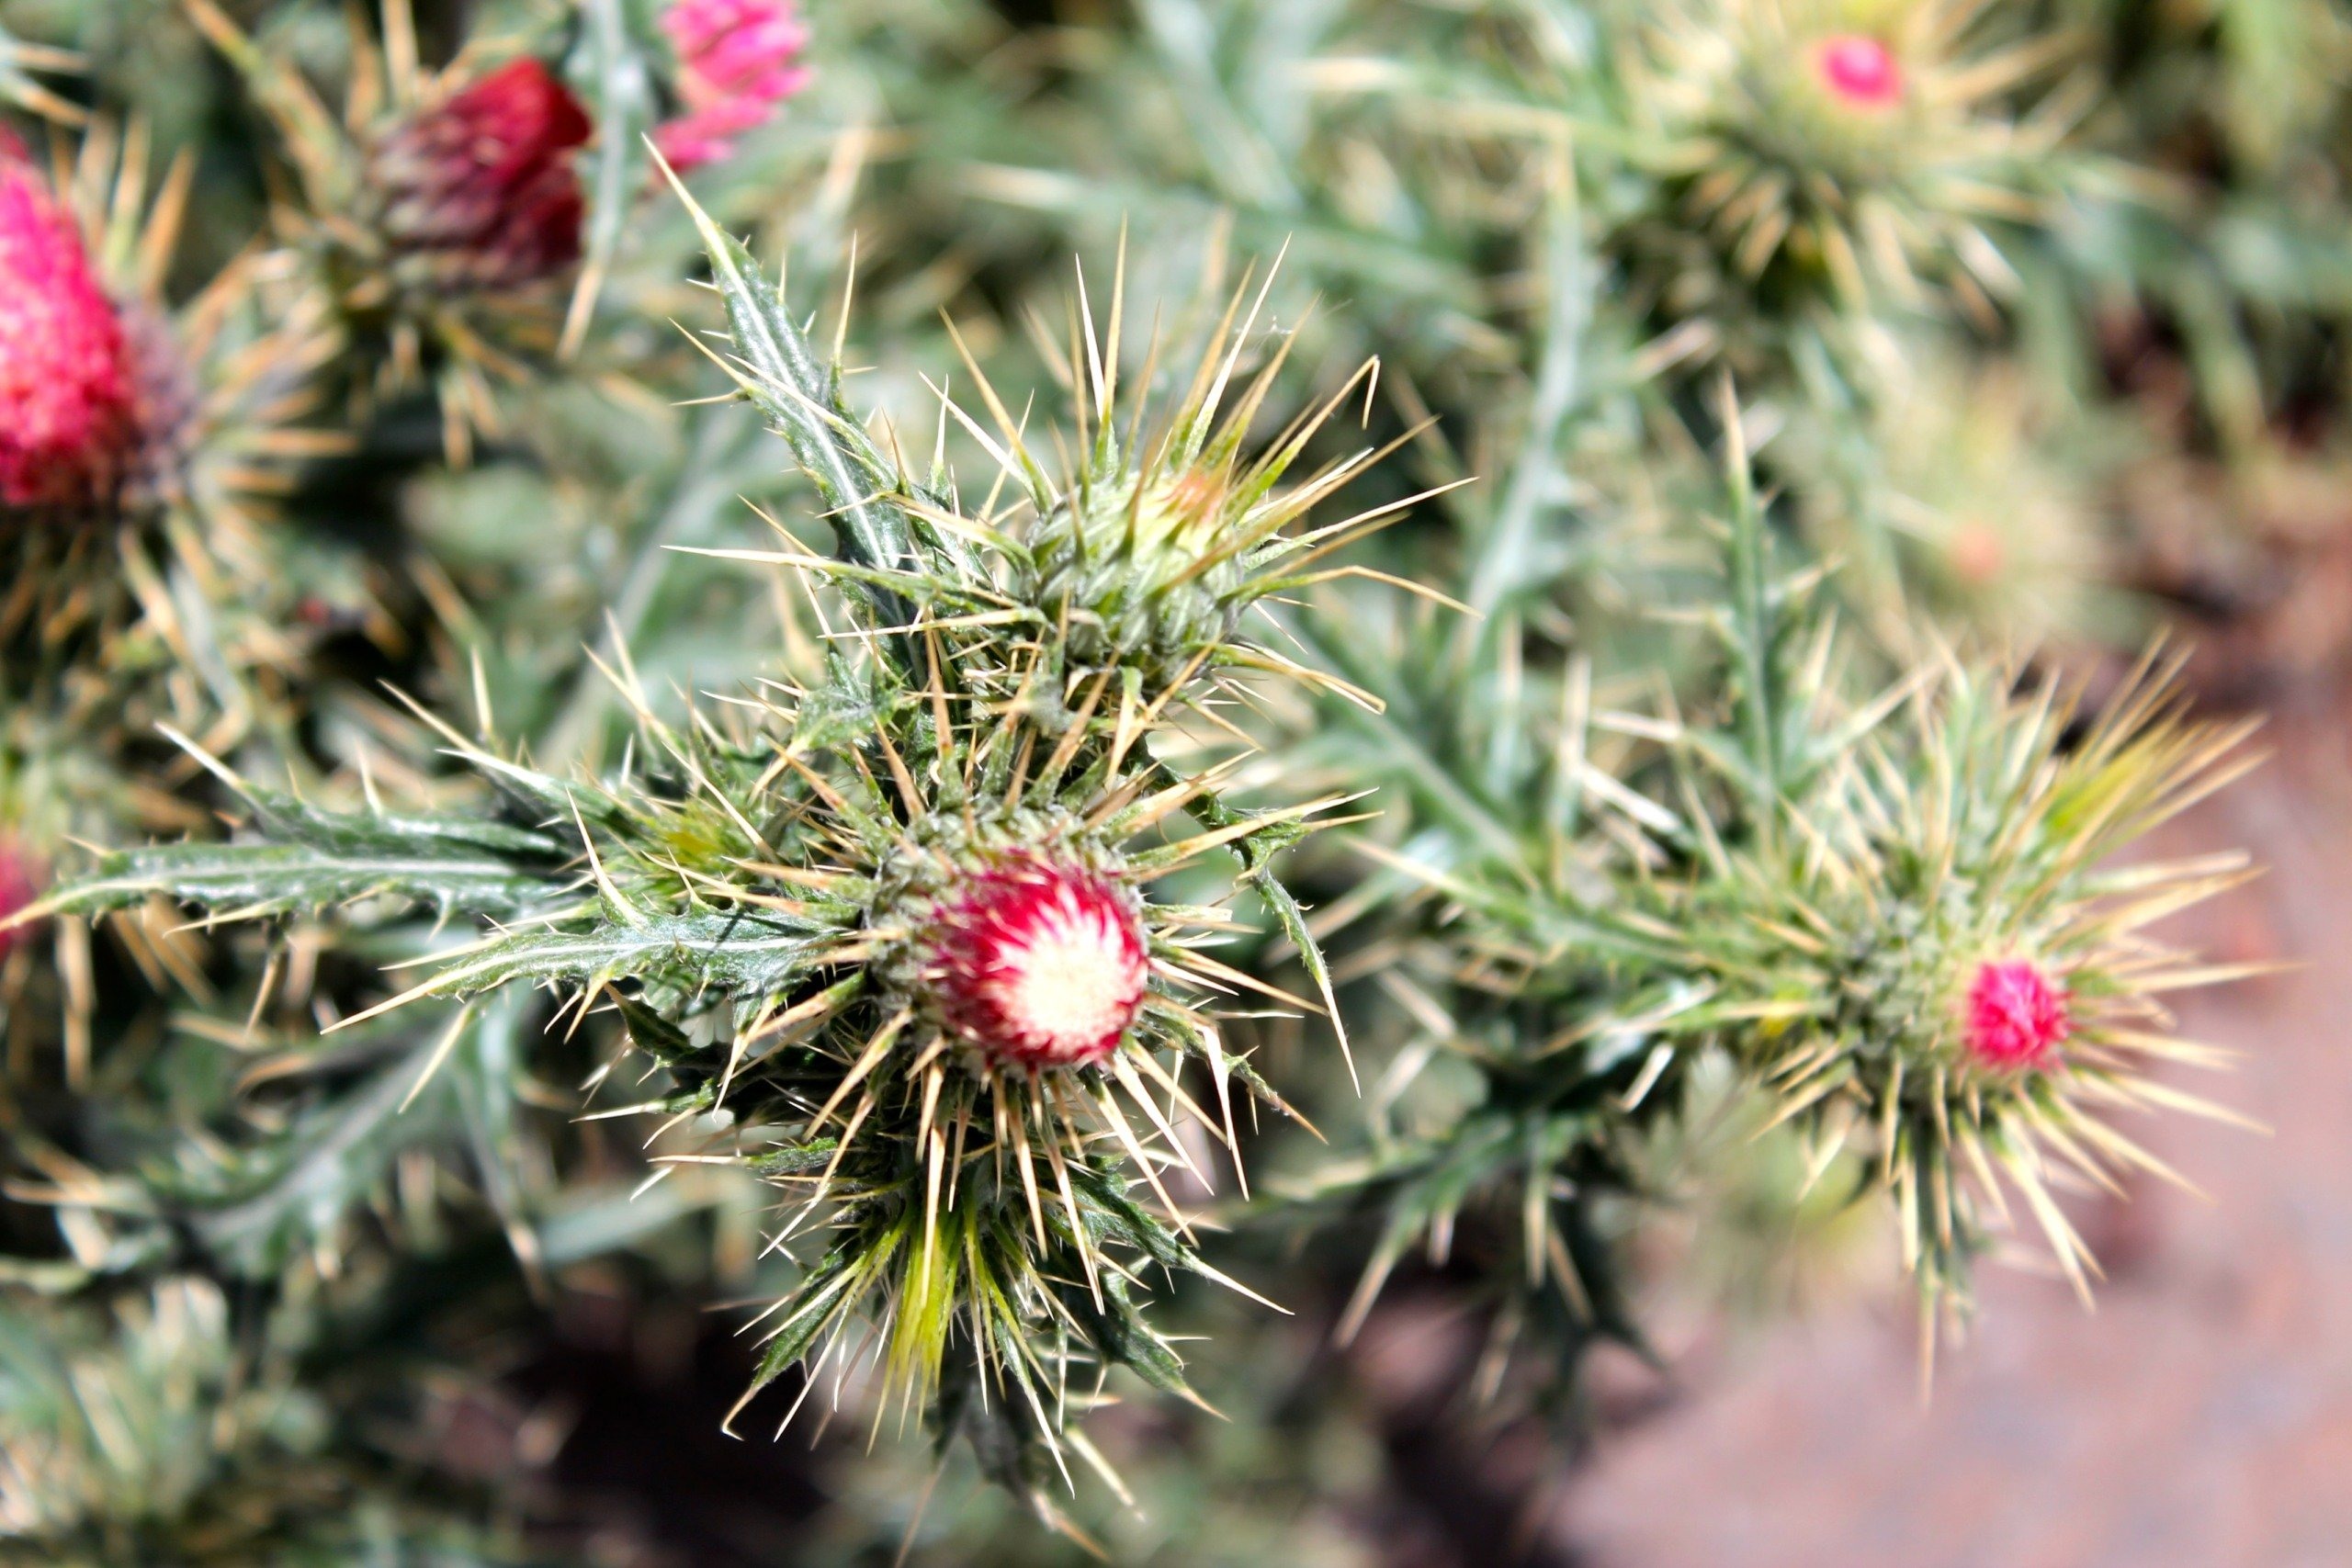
1836, 148
1036, 963
476, 191
1963, 986
1144, 556
434, 227
738, 60
122, 405
1966, 501
69, 427
2017, 1015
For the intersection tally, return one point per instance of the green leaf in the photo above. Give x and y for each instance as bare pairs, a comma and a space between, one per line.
781, 375
750, 955
257, 881
319, 860
610, 65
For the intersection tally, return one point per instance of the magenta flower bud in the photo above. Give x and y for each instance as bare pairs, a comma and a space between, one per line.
2016, 1016
1036, 963
69, 429
736, 63
478, 191
1859, 70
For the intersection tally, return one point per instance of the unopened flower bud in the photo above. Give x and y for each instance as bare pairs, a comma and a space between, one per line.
1036, 963
68, 423
478, 191
2016, 1016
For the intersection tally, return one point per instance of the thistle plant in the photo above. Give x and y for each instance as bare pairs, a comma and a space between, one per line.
1961, 988
889, 931
438, 218
1839, 152
1903, 920
850, 865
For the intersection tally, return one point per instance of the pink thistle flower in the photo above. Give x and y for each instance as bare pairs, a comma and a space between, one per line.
480, 188
1859, 70
68, 423
1038, 964
735, 65
2016, 1017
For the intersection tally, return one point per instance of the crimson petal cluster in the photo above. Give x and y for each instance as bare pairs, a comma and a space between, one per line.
737, 61
1037, 963
2016, 1016
68, 401
479, 191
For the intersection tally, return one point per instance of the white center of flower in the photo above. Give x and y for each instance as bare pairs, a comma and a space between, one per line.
1069, 978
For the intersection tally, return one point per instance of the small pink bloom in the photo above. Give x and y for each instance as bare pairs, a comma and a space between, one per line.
1861, 70
1038, 964
736, 63
68, 423
480, 188
2016, 1017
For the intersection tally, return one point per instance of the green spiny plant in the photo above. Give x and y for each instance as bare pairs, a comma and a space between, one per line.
1901, 920
891, 932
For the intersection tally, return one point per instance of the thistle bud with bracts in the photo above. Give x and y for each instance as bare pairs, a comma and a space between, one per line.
474, 192
1962, 495
1949, 972
1149, 555
439, 218
1839, 156
140, 436
1915, 925
1134, 571
897, 954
